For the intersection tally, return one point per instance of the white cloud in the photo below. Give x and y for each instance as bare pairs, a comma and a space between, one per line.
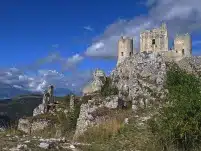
74, 59
71, 62
42, 78
181, 16
17, 86
89, 28
41, 86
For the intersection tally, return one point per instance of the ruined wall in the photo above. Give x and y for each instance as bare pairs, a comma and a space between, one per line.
125, 48
183, 45
172, 55
154, 40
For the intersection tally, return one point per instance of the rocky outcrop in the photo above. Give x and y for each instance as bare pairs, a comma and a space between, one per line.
96, 84
94, 112
191, 64
40, 109
24, 125
48, 98
141, 78
29, 126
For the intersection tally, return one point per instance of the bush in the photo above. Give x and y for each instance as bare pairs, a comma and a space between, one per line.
179, 122
108, 89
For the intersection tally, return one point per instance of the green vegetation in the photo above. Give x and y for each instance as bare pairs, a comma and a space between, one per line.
179, 122
108, 89
176, 127
114, 121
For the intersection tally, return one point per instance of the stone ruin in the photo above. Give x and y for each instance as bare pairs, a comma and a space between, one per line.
96, 84
48, 100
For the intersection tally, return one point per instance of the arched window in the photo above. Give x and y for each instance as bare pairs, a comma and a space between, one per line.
122, 53
130, 53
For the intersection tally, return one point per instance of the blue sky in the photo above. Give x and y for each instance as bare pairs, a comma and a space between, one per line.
34, 26
67, 39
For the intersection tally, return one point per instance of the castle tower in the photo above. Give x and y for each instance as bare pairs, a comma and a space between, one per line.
154, 40
125, 48
183, 45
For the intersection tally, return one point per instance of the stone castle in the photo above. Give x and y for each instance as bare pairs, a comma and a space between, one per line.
156, 40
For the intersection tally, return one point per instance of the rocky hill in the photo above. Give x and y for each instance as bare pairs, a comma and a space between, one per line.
145, 100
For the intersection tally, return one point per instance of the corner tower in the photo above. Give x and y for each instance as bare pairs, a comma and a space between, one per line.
183, 45
125, 48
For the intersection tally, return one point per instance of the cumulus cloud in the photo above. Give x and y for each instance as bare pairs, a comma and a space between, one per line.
72, 61
181, 16
43, 78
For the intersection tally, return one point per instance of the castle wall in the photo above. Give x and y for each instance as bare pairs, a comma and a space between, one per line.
154, 40
183, 45
172, 55
125, 48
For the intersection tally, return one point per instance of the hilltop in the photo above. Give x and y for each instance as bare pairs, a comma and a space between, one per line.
147, 103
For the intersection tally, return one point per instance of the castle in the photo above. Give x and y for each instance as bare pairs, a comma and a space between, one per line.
156, 40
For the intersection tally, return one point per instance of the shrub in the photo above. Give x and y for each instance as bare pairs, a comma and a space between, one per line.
179, 122
109, 89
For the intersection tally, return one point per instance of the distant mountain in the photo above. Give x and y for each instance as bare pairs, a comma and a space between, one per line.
17, 102
20, 106
9, 91
62, 92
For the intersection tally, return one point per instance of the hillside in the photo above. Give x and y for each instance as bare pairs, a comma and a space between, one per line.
146, 104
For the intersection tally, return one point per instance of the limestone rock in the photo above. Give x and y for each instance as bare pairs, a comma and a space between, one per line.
96, 84
39, 125
87, 116
141, 77
44, 145
39, 110
31, 126
48, 99
24, 125
111, 102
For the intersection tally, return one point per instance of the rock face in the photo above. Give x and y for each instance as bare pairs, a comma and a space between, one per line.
141, 78
39, 110
191, 64
48, 98
28, 126
24, 125
94, 112
96, 84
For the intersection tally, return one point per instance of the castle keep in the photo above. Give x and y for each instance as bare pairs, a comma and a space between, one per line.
156, 40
